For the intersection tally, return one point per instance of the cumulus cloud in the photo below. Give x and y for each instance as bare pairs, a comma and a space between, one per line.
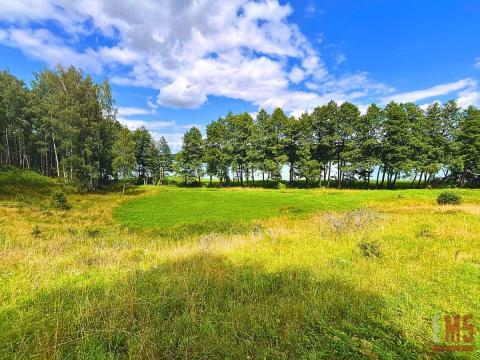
468, 97
243, 49
296, 75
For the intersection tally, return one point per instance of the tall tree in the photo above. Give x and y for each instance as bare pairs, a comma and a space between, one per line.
217, 157
348, 121
165, 159
397, 144
123, 153
469, 140
190, 158
324, 119
145, 154
368, 138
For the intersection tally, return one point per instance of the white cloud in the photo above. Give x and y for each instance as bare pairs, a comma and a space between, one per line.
468, 97
133, 124
296, 75
182, 93
44, 45
340, 58
477, 63
174, 139
434, 91
129, 111
243, 49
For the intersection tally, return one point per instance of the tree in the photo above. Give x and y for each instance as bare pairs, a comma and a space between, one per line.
145, 154
217, 157
469, 146
368, 140
346, 124
165, 158
123, 152
397, 144
189, 159
239, 128
15, 126
324, 119
272, 129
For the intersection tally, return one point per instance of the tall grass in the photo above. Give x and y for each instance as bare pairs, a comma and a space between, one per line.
278, 286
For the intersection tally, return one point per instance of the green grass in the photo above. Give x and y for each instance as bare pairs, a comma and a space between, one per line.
172, 206
101, 282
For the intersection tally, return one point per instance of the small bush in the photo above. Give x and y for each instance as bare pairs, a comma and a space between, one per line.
59, 200
449, 198
36, 232
425, 232
281, 186
92, 232
370, 249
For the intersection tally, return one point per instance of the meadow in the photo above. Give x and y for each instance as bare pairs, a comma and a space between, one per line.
167, 272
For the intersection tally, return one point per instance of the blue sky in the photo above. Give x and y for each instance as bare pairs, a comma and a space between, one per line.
177, 63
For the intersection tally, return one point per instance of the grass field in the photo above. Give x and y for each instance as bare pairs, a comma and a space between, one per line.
233, 273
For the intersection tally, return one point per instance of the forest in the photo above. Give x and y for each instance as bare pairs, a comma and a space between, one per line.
64, 125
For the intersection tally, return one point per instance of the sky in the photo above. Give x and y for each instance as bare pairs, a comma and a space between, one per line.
173, 64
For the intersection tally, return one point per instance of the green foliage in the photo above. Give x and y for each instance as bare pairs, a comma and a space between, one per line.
92, 232
59, 200
64, 125
281, 186
165, 159
449, 198
190, 157
36, 232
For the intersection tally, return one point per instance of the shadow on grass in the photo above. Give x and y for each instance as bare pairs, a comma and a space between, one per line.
180, 232
204, 307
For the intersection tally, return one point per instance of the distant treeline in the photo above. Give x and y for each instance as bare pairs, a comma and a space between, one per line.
64, 125
441, 144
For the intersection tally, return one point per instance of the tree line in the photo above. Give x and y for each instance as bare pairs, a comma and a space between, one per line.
64, 125
336, 145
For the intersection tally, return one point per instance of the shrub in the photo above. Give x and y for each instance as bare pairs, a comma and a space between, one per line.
449, 198
370, 249
36, 232
59, 200
281, 186
92, 232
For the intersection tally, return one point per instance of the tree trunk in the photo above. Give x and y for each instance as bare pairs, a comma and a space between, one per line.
414, 178
329, 172
7, 153
56, 155
383, 177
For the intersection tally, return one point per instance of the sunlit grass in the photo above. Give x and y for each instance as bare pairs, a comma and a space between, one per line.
294, 284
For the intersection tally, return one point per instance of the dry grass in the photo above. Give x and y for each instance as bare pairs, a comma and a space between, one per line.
288, 287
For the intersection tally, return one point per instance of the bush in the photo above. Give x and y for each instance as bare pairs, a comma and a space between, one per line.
59, 200
370, 249
92, 232
36, 232
449, 198
281, 186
